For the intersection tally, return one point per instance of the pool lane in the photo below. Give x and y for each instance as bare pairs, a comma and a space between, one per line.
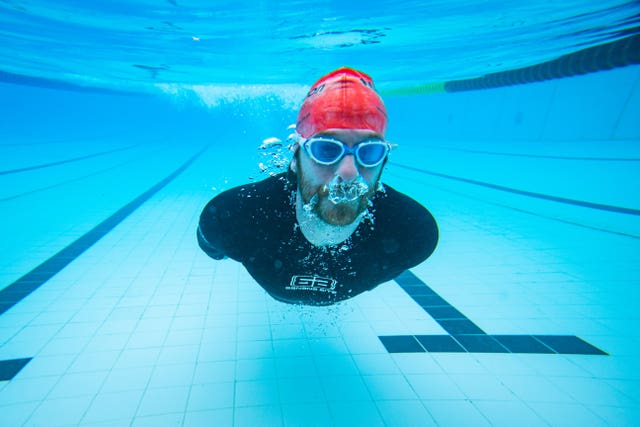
25, 285
464, 336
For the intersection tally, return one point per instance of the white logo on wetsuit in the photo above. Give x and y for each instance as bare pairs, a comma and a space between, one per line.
312, 283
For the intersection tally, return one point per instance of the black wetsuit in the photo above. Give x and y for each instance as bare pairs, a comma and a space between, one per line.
256, 225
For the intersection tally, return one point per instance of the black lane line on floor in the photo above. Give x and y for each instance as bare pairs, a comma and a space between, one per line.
598, 206
62, 162
21, 288
466, 337
68, 181
31, 281
10, 368
536, 156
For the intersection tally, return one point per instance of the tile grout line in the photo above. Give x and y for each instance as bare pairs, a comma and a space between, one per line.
25, 285
465, 336
31, 281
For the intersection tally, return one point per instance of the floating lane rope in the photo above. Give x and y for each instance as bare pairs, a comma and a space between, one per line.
619, 53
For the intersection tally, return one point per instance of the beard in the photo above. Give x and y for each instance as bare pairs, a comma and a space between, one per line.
325, 205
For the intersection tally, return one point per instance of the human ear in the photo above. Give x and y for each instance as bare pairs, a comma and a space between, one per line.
294, 159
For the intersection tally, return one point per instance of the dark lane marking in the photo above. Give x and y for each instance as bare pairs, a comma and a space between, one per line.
609, 208
31, 281
536, 156
62, 162
466, 337
10, 368
524, 211
69, 181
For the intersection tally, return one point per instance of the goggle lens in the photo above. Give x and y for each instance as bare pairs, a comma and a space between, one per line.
328, 151
372, 153
325, 151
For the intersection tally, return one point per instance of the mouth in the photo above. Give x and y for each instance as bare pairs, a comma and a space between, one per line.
340, 192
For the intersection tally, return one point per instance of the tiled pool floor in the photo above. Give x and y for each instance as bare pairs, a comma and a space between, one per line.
143, 329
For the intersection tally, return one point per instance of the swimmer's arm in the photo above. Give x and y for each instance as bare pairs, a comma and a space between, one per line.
212, 250
210, 232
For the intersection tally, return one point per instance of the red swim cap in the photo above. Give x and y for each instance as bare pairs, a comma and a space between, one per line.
343, 99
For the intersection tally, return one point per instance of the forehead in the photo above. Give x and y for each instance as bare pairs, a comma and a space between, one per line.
351, 135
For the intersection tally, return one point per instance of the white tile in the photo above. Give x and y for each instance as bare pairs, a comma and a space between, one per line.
376, 364
210, 372
327, 345
363, 341
355, 413
158, 420
117, 407
211, 396
182, 337
292, 367
146, 339
217, 353
389, 387
336, 365
435, 387
505, 364
345, 388
15, 414
535, 389
417, 363
456, 413
254, 332
67, 411
253, 349
64, 346
482, 387
127, 379
172, 375
629, 388
44, 366
217, 417
159, 401
255, 370
291, 348
553, 366
591, 391
256, 393
503, 413
300, 390
111, 342
559, 414
78, 384
94, 361
258, 415
306, 414
460, 363
404, 413
134, 358
617, 415
184, 354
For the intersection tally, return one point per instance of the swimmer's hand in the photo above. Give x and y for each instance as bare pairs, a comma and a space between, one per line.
208, 248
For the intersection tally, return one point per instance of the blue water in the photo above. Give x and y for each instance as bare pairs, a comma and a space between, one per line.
535, 188
137, 45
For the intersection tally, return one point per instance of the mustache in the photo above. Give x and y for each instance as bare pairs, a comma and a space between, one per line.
339, 191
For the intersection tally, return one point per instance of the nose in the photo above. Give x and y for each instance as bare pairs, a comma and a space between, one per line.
347, 168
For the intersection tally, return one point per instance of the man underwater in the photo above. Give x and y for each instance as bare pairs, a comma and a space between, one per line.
327, 229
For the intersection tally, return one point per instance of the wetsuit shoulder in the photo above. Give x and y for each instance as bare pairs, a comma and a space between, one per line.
407, 224
230, 221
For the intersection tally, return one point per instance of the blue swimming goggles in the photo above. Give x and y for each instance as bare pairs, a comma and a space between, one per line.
328, 151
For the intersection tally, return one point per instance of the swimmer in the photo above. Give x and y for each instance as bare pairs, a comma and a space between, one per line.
327, 229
